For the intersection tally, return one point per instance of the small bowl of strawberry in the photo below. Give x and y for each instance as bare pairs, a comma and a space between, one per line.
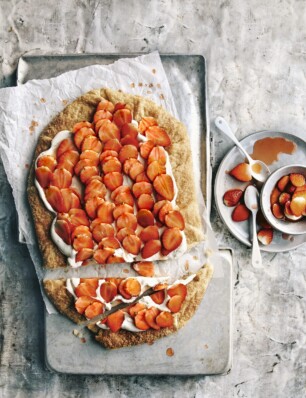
283, 199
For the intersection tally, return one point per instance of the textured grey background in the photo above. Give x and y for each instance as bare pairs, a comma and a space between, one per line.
257, 79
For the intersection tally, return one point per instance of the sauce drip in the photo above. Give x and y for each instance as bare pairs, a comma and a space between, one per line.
268, 149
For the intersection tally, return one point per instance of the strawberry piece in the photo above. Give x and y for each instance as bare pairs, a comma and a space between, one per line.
108, 153
144, 268
136, 169
101, 231
167, 207
158, 297
84, 254
145, 123
122, 116
122, 290
61, 178
80, 135
171, 238
81, 230
140, 320
128, 164
174, 219
71, 156
55, 198
178, 290
91, 155
132, 287
80, 125
140, 188
289, 214
149, 233
124, 198
91, 206
155, 169
150, 316
142, 177
65, 146
160, 286
127, 152
87, 173
146, 148
150, 248
119, 105
108, 291
47, 161
82, 303
109, 242
122, 209
232, 197
282, 183
94, 188
83, 242
91, 143
112, 145
78, 217
145, 218
115, 259
175, 303
158, 205
124, 232
157, 154
90, 281
121, 189
105, 105
105, 212
85, 289
290, 188
158, 135
127, 220
83, 163
240, 213
298, 205
299, 189
163, 185
114, 321
70, 199
145, 201
164, 319
274, 196
43, 175
94, 309
66, 164
131, 244
108, 131
134, 309
296, 179
113, 180
102, 114
101, 255
111, 166
284, 197
242, 172
265, 236
130, 140
98, 125
63, 229
129, 129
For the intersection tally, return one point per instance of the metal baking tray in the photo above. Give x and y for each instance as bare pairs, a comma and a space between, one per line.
203, 346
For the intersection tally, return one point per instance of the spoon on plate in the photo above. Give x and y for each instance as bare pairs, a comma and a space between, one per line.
259, 169
251, 197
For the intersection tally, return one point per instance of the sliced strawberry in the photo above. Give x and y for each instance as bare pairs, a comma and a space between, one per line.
150, 248
144, 268
102, 114
121, 189
94, 282
115, 321
130, 140
65, 164
101, 231
122, 116
91, 155
158, 205
145, 201
155, 169
83, 242
122, 209
82, 303
127, 152
108, 291
242, 172
43, 175
140, 188
158, 135
149, 233
111, 166
55, 198
158, 297
142, 177
71, 156
65, 146
109, 242
164, 319
91, 143
232, 197
105, 105
108, 153
240, 213
105, 212
83, 163
175, 303
163, 185
284, 197
119, 105
101, 255
298, 205
140, 321
63, 229
108, 131
145, 123
296, 179
136, 169
146, 148
174, 219
112, 145
157, 154
180, 289
145, 218
128, 164
70, 199
164, 211
274, 196
91, 206
171, 238
124, 198
78, 217
122, 290
113, 180
131, 244
95, 188
129, 129
150, 316
160, 286
84, 254
61, 178
85, 289
87, 173
265, 236
132, 287
134, 309
94, 309
47, 161
282, 183
98, 125
124, 232
80, 125
127, 220
80, 135
115, 259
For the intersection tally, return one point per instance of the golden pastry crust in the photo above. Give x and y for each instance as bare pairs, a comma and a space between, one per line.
180, 157
64, 302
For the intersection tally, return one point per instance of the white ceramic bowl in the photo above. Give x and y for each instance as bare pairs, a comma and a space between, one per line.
285, 226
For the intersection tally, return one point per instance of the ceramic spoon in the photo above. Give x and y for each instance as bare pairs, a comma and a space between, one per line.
259, 169
251, 196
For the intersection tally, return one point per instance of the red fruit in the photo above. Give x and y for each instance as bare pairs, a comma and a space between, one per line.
298, 205
87, 173
240, 213
131, 244
136, 169
105, 105
122, 290
122, 116
140, 188
122, 209
101, 255
112, 145
142, 177
94, 188
47, 161
113, 180
171, 238
134, 309
43, 176
128, 164
91, 206
61, 178
108, 153
94, 309
158, 205
81, 230
108, 291
150, 316
80, 135
80, 125
85, 289
284, 197
149, 233
70, 199
65, 146
78, 217
105, 212
68, 157
91, 155
167, 207
150, 248
129, 129
242, 172
175, 304
157, 154
124, 232
163, 185
174, 219
101, 231
298, 180
158, 135
145, 201
144, 268
55, 198
112, 165
83, 163
132, 287
158, 297
265, 236
63, 229
145, 123
109, 242
108, 131
114, 321
130, 140
140, 321
91, 143
119, 105
164, 319
155, 169
84, 254
274, 196
83, 242
127, 152
124, 198
102, 114
282, 183
145, 218
232, 197
127, 220
115, 259
146, 148
82, 303
180, 289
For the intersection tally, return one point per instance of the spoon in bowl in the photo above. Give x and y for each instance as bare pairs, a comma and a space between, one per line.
251, 196
259, 169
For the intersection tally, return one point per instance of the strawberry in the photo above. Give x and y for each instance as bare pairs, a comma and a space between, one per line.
157, 154
127, 152
124, 232
87, 173
158, 205
84, 254
122, 116
145, 218
146, 148
242, 172
167, 207
109, 242
150, 248
102, 230
134, 309
124, 198
82, 303
43, 175
102, 114
122, 291
91, 155
140, 188
290, 188
144, 268
112, 145
80, 125
108, 291
70, 199
78, 217
274, 196
71, 156
284, 197
111, 165
94, 282
128, 164
129, 129
282, 183
149, 233
94, 309
145, 123
80, 135
136, 169
132, 287
158, 297
131, 244
108, 153
142, 177
265, 236
83, 242
119, 105
298, 180
174, 219
65, 146
47, 161
160, 286
83, 163
126, 220
150, 316
240, 213
55, 199
105, 105
175, 303
164, 319
129, 140
63, 229
232, 197
85, 289
121, 209
113, 180
140, 321
114, 259
155, 169
94, 188
171, 238
61, 178
298, 205
158, 135
163, 185
91, 206
145, 201
108, 131
105, 212
180, 289
101, 255
114, 321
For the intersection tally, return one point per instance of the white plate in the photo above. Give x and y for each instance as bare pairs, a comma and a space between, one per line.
224, 182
